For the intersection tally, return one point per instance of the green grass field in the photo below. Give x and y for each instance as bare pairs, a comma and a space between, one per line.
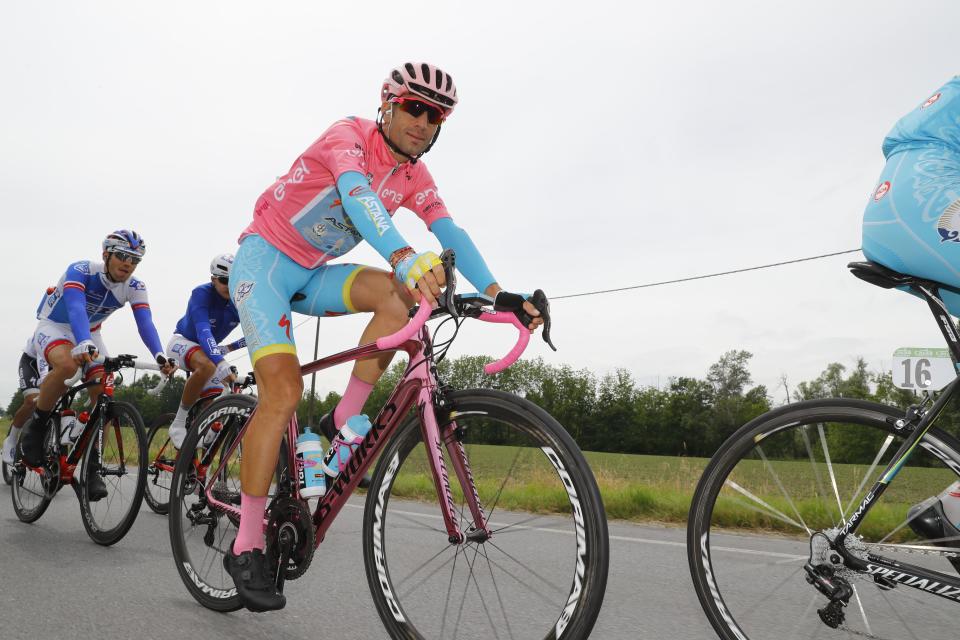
658, 488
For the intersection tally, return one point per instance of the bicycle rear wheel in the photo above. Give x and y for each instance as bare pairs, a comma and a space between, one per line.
779, 491
200, 534
539, 575
162, 456
119, 457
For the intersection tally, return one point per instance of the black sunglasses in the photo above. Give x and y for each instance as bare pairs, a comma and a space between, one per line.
222, 279
415, 108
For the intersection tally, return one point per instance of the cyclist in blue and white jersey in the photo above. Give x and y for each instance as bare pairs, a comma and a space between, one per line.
68, 332
210, 318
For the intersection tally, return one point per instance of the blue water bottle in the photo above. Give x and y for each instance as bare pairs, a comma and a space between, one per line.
345, 443
310, 465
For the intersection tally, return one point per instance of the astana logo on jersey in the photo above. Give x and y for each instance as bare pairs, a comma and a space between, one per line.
949, 223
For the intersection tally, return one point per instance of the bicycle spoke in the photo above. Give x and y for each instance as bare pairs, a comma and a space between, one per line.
496, 588
833, 477
769, 510
804, 432
449, 590
783, 490
863, 614
507, 476
422, 567
522, 566
483, 601
867, 476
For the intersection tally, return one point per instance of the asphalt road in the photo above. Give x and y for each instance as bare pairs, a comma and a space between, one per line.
56, 583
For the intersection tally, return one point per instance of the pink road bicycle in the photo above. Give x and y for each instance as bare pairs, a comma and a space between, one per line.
443, 557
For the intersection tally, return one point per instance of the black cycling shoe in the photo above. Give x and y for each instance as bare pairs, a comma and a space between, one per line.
329, 431
96, 487
932, 524
255, 585
31, 442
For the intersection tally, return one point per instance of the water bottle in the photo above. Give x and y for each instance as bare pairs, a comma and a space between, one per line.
309, 461
211, 435
72, 425
345, 443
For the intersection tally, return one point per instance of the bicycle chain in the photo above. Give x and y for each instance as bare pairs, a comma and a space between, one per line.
938, 551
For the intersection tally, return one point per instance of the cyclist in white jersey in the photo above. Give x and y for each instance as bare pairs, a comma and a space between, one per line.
29, 375
68, 331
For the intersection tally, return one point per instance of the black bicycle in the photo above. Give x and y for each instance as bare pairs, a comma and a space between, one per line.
112, 446
837, 487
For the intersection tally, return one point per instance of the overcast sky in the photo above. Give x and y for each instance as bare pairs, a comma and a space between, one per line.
597, 145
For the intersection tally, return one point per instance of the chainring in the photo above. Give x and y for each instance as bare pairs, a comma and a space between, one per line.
293, 517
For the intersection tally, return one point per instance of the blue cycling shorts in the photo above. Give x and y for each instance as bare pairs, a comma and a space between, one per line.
912, 222
263, 282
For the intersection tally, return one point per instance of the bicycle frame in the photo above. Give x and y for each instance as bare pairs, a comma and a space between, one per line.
419, 387
917, 426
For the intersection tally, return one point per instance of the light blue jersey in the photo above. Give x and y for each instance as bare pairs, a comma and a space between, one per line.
912, 220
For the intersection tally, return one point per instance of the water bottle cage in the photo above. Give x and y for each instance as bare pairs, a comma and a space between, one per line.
336, 463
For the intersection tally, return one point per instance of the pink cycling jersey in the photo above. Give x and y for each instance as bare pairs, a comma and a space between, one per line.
301, 213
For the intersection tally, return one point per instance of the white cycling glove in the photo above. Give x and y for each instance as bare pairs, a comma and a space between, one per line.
83, 348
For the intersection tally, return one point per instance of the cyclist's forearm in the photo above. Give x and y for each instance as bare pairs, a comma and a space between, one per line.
469, 261
76, 301
368, 214
201, 324
148, 332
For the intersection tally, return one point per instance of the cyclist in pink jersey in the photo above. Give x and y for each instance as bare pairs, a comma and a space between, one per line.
343, 189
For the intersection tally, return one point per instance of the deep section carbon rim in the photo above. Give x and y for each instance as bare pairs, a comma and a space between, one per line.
540, 575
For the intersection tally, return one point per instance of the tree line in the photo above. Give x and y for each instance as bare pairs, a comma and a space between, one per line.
686, 417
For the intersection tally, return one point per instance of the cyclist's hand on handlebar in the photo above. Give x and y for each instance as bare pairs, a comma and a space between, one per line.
422, 273
167, 365
84, 352
226, 373
506, 301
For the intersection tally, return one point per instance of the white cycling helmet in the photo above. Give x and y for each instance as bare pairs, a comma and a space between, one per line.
220, 266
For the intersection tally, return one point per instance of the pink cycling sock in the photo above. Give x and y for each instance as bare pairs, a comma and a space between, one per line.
250, 535
353, 400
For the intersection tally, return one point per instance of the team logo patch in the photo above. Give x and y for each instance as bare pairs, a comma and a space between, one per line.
931, 100
244, 289
881, 191
138, 285
948, 226
319, 230
83, 267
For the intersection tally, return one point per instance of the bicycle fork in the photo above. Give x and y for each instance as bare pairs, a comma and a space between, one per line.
451, 440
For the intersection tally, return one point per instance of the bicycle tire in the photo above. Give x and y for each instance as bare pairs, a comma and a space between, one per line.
7, 473
216, 592
576, 598
157, 494
128, 437
20, 475
717, 589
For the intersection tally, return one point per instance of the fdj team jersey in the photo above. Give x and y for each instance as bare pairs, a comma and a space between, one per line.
936, 121
103, 296
209, 319
301, 213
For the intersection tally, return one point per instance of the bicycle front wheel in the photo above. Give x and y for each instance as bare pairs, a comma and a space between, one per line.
779, 492
162, 456
117, 454
543, 571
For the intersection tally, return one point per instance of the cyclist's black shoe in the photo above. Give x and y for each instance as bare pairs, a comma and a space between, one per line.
255, 586
31, 441
96, 487
329, 431
932, 524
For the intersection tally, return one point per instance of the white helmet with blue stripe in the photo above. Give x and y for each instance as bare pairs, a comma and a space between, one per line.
125, 241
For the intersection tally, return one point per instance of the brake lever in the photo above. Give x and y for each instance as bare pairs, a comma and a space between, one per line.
449, 260
542, 304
